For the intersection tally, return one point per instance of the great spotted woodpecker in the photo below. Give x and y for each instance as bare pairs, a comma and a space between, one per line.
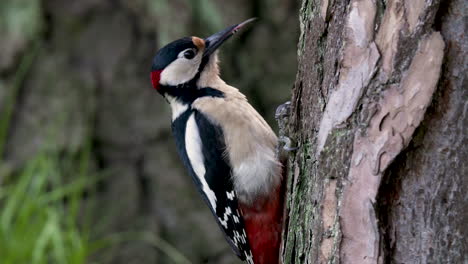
227, 147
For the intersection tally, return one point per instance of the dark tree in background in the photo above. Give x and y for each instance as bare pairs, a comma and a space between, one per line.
379, 112
75, 74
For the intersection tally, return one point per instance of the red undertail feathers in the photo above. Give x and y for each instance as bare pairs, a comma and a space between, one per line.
263, 223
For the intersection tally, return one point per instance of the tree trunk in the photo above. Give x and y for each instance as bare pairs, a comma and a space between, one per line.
379, 113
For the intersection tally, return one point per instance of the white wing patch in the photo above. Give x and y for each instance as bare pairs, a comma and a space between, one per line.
249, 258
223, 202
230, 195
224, 220
193, 147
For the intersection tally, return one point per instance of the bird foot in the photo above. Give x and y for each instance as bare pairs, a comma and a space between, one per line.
288, 143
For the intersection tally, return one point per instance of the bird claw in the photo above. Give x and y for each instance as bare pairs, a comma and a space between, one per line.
287, 143
282, 117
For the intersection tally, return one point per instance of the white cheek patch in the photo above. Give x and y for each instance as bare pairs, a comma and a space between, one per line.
180, 71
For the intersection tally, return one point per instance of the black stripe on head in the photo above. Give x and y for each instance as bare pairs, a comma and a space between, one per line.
168, 53
188, 92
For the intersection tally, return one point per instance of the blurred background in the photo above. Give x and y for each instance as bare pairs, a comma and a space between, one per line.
88, 167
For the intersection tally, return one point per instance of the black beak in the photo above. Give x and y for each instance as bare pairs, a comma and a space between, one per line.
214, 41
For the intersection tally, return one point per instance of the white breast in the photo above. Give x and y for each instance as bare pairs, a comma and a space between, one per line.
249, 140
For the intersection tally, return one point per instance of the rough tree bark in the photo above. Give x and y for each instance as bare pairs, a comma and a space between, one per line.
379, 112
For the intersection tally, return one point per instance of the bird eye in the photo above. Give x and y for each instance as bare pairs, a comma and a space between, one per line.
189, 54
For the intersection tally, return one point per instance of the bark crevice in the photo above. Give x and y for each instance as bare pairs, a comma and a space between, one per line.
370, 126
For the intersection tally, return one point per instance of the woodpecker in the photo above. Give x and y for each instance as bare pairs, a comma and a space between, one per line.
227, 147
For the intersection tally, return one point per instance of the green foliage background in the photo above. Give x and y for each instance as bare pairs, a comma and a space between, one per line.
88, 169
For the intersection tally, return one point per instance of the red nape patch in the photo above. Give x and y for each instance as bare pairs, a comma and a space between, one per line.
155, 77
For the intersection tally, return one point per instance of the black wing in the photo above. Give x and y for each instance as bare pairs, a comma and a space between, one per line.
214, 181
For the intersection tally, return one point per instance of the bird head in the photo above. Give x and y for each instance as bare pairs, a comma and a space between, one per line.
185, 60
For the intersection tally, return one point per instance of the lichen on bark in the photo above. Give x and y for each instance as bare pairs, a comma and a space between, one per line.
355, 110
